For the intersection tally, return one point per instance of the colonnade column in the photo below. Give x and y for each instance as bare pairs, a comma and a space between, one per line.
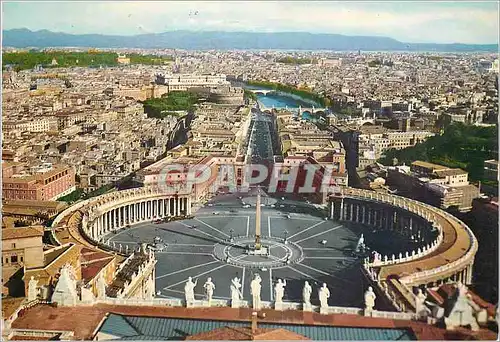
99, 227
469, 273
96, 223
110, 219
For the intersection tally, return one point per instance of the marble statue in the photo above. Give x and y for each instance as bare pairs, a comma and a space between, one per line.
32, 289
236, 294
306, 293
369, 299
101, 286
189, 290
324, 294
65, 293
361, 244
255, 288
462, 310
209, 287
420, 309
279, 291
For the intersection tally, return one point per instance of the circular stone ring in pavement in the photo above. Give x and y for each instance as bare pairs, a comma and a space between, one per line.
280, 253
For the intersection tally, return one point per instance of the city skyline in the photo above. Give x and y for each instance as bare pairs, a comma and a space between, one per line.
414, 22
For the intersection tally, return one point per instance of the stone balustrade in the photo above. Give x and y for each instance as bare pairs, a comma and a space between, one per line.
426, 264
175, 302
143, 271
429, 214
409, 256
63, 335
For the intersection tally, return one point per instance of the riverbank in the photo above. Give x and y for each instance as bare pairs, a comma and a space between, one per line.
287, 90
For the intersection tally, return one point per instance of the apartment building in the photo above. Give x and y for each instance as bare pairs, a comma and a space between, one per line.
44, 183
34, 126
435, 184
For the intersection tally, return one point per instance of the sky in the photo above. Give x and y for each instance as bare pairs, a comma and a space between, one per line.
407, 21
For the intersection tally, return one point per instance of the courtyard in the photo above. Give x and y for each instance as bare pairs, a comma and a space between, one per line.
302, 246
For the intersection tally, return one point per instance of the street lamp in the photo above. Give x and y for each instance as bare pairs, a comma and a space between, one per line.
285, 233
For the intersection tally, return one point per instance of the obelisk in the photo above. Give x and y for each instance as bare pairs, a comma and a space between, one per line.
257, 222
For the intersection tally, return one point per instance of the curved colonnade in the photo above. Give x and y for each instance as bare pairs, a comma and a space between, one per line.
446, 246
113, 211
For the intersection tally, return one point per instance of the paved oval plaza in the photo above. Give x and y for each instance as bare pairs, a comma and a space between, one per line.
213, 244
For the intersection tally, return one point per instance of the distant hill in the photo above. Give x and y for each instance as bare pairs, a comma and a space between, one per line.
191, 40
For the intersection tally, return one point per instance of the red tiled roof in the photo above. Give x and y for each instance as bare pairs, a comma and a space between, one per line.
89, 271
83, 320
242, 334
24, 232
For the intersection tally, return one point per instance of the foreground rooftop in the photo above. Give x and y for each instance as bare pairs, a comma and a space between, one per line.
85, 321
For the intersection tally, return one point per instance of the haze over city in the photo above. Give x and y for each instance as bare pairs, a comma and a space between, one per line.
415, 22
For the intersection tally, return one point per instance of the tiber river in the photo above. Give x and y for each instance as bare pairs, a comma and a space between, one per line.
283, 100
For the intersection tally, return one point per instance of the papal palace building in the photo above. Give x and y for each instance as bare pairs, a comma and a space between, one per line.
42, 183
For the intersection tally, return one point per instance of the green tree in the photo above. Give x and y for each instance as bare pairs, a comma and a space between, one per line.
460, 146
170, 103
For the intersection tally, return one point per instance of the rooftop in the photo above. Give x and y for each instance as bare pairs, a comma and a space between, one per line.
159, 322
450, 172
428, 165
23, 232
